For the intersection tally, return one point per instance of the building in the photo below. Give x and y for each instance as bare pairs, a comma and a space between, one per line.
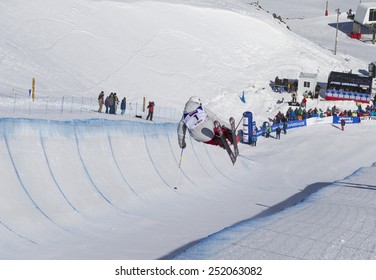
307, 82
365, 15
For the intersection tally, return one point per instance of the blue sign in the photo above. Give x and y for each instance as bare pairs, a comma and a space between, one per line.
337, 119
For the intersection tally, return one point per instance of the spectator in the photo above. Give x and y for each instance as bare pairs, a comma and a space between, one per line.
343, 122
299, 113
268, 131
101, 101
151, 110
293, 95
278, 133
284, 127
107, 103
292, 115
123, 105
254, 140
116, 103
112, 103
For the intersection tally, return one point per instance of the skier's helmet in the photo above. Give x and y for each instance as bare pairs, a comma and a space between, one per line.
195, 99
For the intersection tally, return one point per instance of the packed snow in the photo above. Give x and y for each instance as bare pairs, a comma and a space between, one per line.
78, 184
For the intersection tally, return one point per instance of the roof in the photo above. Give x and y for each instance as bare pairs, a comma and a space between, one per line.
349, 78
362, 12
303, 75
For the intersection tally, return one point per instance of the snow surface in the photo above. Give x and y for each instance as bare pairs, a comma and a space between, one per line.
83, 185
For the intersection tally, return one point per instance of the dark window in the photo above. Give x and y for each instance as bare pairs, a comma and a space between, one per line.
307, 84
372, 15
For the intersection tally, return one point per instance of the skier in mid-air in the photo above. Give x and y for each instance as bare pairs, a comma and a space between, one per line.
204, 126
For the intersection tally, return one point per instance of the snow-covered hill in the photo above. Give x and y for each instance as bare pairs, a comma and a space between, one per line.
164, 50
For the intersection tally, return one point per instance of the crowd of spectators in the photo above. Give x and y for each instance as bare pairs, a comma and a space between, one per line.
301, 113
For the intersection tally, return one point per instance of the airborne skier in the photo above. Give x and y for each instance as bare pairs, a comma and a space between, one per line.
204, 126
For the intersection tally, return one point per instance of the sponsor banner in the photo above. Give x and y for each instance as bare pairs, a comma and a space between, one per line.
347, 119
294, 124
344, 95
314, 121
368, 118
247, 129
290, 124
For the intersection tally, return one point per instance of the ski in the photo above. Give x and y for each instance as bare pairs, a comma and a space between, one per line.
233, 132
224, 142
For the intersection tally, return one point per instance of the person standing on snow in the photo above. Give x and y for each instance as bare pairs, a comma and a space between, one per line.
200, 125
268, 130
107, 103
343, 122
294, 95
123, 105
151, 110
101, 101
278, 133
112, 103
284, 127
254, 139
116, 99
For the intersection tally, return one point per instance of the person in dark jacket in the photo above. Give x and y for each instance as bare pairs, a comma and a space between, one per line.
278, 133
343, 122
112, 103
123, 105
107, 103
116, 103
151, 110
284, 127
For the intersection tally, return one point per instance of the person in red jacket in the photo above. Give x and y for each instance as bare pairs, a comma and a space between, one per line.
151, 110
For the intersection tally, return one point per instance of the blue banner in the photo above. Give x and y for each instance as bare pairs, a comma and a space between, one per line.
347, 119
290, 124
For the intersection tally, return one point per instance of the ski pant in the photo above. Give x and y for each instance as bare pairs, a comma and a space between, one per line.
100, 106
216, 140
150, 115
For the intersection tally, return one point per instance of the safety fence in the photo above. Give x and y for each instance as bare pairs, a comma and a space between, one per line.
21, 104
250, 131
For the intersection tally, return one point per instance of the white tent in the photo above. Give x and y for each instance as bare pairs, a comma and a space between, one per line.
307, 83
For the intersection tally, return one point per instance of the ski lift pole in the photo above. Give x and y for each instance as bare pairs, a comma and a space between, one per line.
335, 45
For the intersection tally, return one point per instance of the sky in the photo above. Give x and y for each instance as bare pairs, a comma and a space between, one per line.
77, 184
